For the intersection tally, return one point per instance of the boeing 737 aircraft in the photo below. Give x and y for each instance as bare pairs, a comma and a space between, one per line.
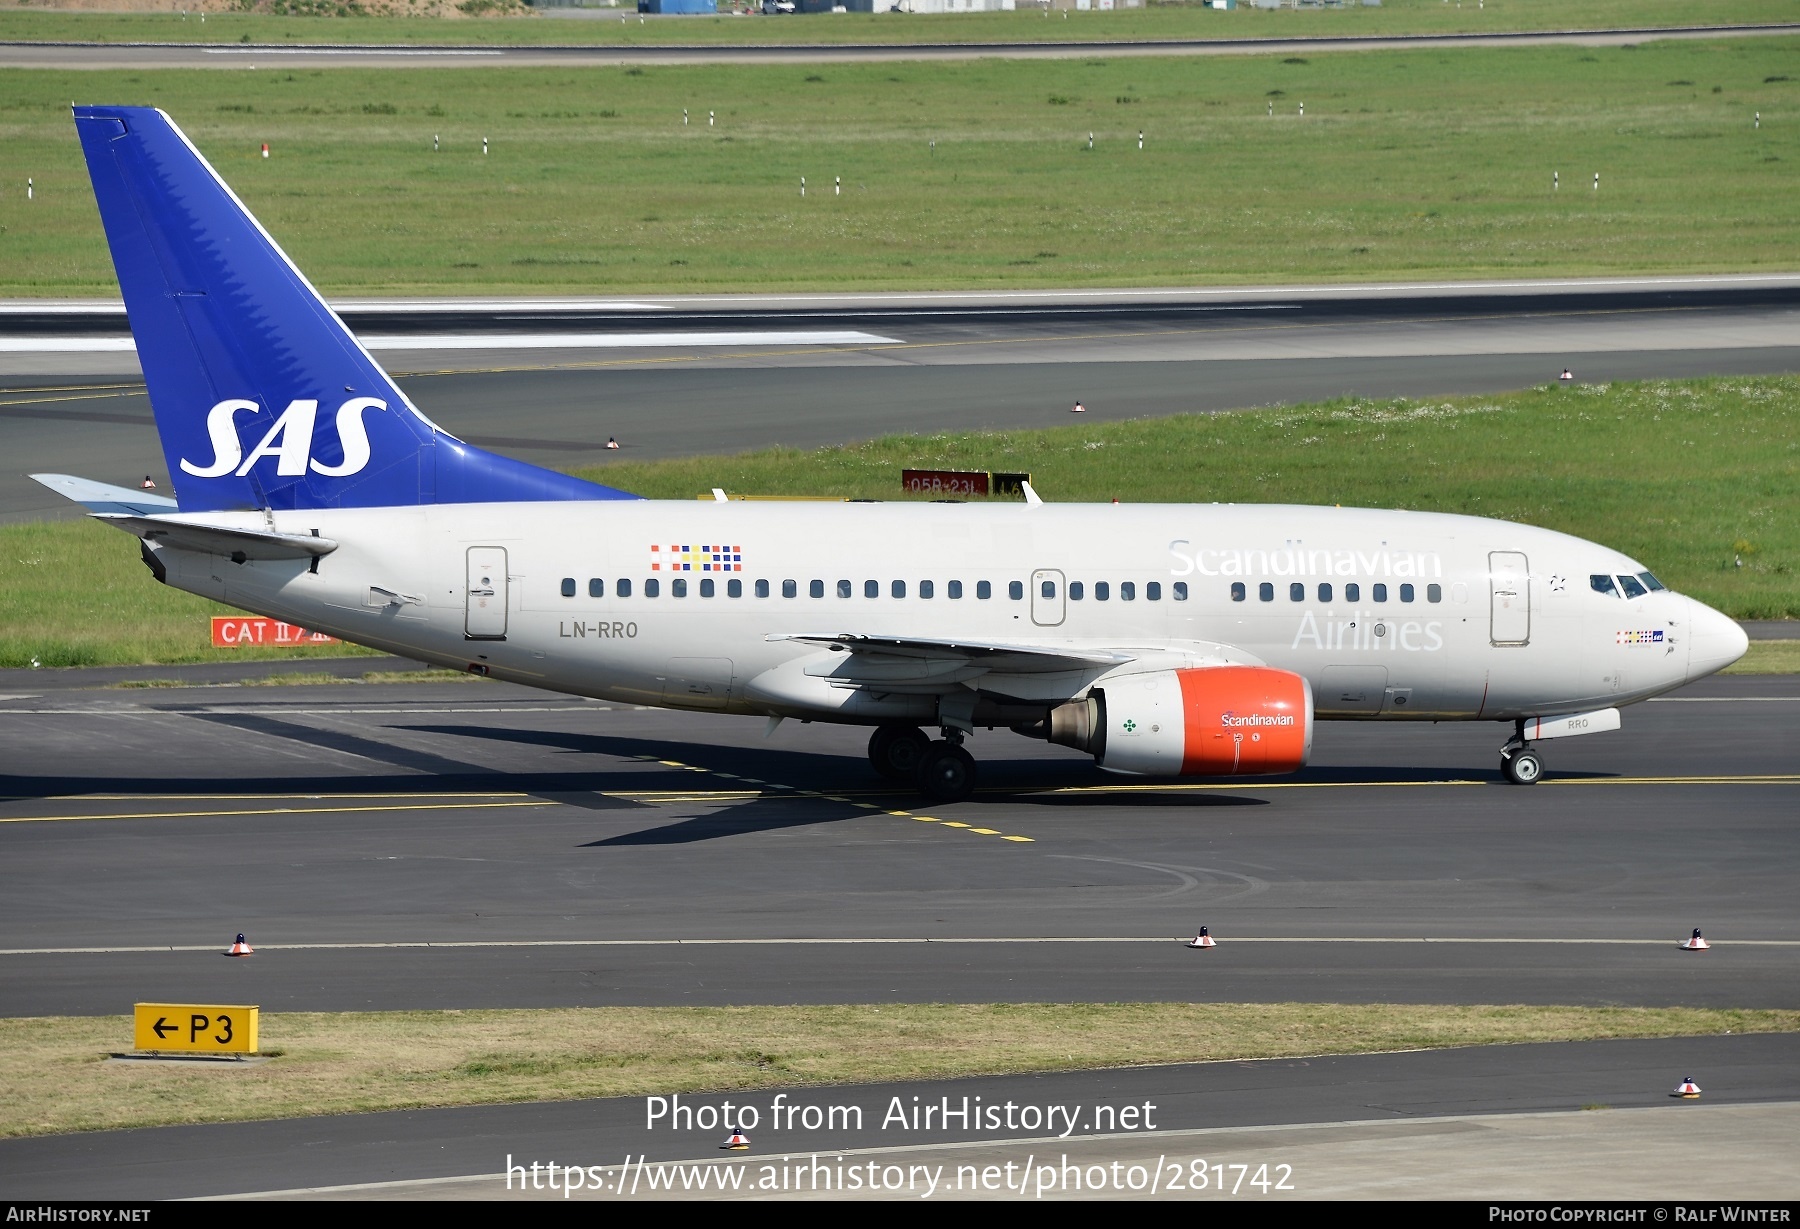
1161, 639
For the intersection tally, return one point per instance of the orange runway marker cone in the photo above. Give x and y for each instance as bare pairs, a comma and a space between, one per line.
1695, 944
1688, 1091
612, 442
241, 948
265, 149
148, 484
1203, 939
737, 1143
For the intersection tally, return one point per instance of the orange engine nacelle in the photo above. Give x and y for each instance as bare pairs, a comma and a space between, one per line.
1211, 721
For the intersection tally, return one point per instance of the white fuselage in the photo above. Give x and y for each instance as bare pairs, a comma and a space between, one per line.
1387, 614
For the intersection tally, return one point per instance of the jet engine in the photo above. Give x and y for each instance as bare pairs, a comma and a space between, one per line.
1214, 721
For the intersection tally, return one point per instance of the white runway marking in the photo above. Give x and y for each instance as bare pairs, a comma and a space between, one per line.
1670, 943
507, 341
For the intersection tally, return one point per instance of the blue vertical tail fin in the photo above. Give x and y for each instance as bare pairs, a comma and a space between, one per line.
263, 398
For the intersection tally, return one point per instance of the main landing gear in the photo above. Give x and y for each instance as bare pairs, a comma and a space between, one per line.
1518, 762
941, 770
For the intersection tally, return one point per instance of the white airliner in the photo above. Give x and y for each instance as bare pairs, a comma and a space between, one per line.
1161, 639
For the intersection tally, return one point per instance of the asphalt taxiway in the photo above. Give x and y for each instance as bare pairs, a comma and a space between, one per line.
475, 844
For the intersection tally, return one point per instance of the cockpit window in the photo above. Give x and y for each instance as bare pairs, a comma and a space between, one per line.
1603, 584
1650, 582
1630, 587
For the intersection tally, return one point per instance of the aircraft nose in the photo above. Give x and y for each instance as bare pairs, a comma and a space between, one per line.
1714, 640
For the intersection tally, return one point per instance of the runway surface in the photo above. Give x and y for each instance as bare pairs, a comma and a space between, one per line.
1502, 1122
475, 844
171, 55
988, 360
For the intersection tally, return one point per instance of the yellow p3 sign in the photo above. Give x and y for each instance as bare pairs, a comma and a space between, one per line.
194, 1028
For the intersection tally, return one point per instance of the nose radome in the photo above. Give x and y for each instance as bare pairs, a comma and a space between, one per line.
1714, 640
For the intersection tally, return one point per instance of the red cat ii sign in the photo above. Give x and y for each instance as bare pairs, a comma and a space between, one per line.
236, 631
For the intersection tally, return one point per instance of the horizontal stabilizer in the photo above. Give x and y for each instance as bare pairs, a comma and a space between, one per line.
103, 497
237, 544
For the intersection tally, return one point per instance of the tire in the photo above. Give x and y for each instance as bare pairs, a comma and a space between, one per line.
895, 751
946, 774
1522, 767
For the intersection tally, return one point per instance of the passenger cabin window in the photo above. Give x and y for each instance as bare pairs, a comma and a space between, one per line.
678, 587
1353, 592
1406, 593
1380, 592
1434, 593
623, 588
816, 588
1152, 591
735, 588
568, 586
1237, 591
706, 588
1077, 590
845, 588
1102, 590
762, 588
1180, 588
871, 588
1127, 591
1047, 588
1296, 592
983, 590
596, 587
652, 587
927, 589
1324, 593
1630, 587
1265, 592
955, 589
1650, 582
1015, 589
898, 588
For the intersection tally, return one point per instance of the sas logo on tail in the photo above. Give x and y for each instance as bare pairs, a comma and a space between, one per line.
289, 440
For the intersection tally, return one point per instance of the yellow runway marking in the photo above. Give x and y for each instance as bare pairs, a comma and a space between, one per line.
1241, 786
1027, 840
448, 806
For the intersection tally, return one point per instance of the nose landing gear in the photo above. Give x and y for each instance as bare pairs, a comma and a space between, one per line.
1518, 762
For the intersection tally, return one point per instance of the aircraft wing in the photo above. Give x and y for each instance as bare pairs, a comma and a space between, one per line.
988, 655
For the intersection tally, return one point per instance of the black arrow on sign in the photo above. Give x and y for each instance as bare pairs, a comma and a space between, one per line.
161, 1026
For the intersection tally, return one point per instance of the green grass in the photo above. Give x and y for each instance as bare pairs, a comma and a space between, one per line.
76, 594
1687, 476
1769, 657
1160, 22
53, 1079
1421, 164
